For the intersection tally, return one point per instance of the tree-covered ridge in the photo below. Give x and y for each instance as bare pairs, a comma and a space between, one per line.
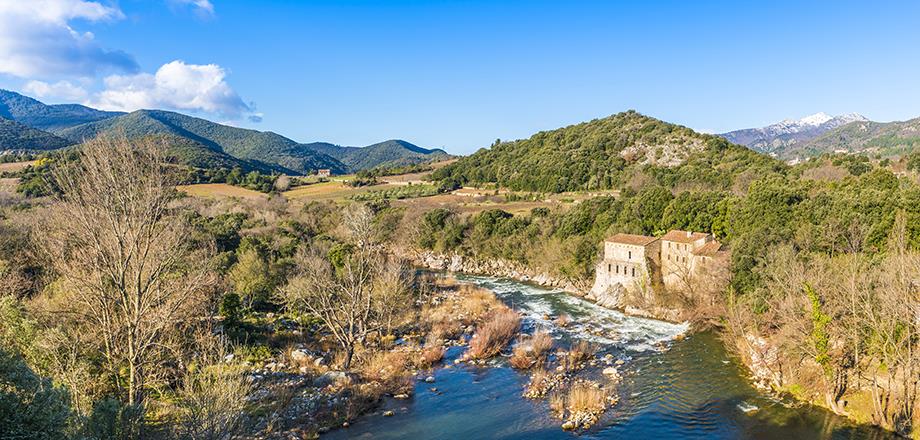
240, 143
606, 153
15, 136
877, 138
387, 154
52, 118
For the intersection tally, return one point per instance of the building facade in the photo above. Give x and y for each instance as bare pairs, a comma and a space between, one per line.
639, 263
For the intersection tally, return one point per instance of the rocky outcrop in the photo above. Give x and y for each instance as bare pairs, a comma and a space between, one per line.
492, 267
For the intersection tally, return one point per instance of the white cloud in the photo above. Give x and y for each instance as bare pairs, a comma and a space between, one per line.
64, 90
38, 41
177, 86
204, 8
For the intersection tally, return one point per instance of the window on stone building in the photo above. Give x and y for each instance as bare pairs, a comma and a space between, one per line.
634, 271
630, 255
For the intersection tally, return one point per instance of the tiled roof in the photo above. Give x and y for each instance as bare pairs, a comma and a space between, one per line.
638, 240
710, 249
683, 236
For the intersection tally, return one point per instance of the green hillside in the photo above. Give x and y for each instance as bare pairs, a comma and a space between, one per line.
251, 145
607, 153
391, 153
882, 138
46, 117
188, 152
21, 137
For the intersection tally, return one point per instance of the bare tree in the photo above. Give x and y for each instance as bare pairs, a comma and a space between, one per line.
126, 256
392, 292
363, 292
342, 298
358, 224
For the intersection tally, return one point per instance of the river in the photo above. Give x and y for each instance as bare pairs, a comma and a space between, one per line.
673, 387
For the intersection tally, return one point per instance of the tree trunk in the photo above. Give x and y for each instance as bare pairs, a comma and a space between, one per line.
349, 352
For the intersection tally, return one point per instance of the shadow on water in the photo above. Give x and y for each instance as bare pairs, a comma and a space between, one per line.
691, 389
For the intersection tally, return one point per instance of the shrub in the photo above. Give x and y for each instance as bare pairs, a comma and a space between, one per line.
494, 334
112, 419
557, 404
31, 407
586, 397
531, 350
432, 355
538, 386
388, 368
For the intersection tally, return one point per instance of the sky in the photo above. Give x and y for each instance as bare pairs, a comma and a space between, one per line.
459, 74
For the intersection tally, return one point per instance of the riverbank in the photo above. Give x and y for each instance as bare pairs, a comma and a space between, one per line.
508, 269
670, 387
758, 355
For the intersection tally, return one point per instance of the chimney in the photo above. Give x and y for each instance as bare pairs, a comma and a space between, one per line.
689, 234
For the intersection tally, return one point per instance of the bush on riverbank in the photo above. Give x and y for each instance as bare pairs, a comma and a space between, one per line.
493, 335
531, 350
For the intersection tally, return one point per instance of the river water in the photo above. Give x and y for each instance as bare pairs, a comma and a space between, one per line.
673, 387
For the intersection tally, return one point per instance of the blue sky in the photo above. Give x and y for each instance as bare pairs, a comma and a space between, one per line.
459, 74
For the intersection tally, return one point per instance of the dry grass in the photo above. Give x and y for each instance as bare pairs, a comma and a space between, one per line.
582, 351
15, 166
563, 321
431, 355
537, 387
557, 404
586, 397
389, 367
531, 350
493, 335
476, 302
220, 190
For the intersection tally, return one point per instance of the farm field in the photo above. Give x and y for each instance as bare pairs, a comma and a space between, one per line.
8, 185
220, 190
335, 190
14, 166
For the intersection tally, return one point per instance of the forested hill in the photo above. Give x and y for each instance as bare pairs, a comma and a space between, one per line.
252, 145
608, 153
46, 117
15, 136
391, 153
201, 141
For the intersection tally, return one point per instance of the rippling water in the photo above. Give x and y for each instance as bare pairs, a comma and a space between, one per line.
686, 388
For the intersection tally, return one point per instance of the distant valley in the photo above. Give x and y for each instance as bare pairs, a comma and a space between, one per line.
28, 125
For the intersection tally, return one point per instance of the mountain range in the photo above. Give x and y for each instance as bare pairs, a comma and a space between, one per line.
821, 133
29, 125
787, 135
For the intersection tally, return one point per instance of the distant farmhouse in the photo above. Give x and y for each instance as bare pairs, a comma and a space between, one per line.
325, 172
638, 263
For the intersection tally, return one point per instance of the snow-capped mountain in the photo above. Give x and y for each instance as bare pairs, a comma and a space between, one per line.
782, 135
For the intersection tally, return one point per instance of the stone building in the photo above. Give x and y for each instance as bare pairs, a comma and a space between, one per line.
325, 172
638, 263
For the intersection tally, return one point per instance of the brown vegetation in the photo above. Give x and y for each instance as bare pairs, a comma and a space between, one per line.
839, 329
494, 334
126, 256
531, 350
